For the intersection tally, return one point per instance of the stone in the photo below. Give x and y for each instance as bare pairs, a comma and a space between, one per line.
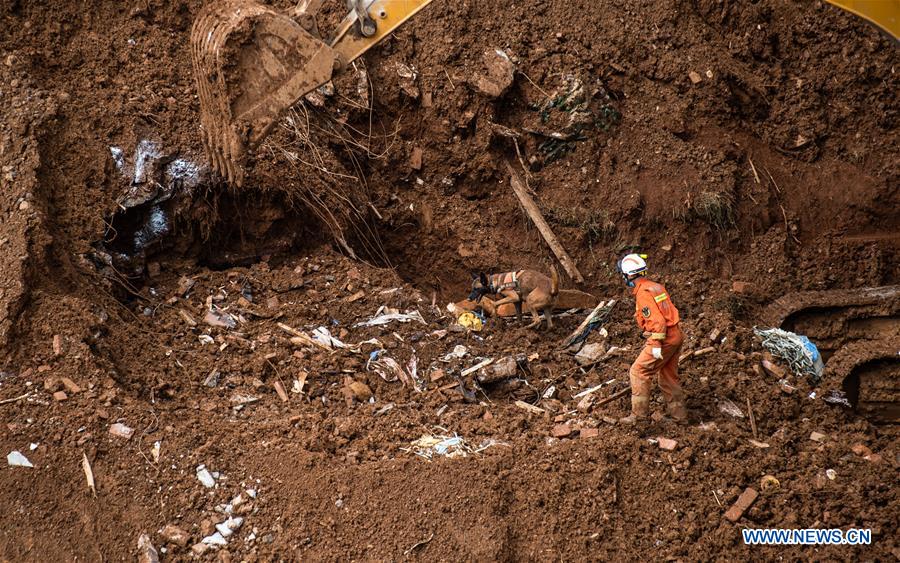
70, 385
584, 405
861, 450
590, 353
695, 77
561, 431
360, 391
772, 369
199, 548
817, 437
741, 287
52, 384
415, 158
119, 430
60, 396
667, 444
589, 432
747, 498
499, 76
146, 552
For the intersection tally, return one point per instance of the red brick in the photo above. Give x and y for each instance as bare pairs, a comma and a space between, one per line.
747, 498
561, 430
667, 444
60, 396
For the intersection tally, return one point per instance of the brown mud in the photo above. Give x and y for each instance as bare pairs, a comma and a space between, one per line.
750, 148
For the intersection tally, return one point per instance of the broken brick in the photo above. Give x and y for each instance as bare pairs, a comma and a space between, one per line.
589, 432
70, 385
667, 444
60, 396
561, 431
817, 437
747, 498
415, 159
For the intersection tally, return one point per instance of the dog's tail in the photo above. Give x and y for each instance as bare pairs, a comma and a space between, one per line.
554, 281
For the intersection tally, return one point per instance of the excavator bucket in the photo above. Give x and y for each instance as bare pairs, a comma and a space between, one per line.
251, 64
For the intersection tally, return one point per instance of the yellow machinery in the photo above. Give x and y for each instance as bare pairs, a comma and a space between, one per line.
252, 63
883, 13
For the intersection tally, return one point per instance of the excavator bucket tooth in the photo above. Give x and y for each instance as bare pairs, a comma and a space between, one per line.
251, 64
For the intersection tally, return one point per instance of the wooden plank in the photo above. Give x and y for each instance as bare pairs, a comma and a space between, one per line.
583, 325
532, 209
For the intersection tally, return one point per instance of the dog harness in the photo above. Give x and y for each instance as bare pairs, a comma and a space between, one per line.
502, 282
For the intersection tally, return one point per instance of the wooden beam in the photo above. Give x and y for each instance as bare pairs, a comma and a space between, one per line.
532, 209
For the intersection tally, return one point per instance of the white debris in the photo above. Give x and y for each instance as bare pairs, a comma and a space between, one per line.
252, 493
831, 474
121, 431
229, 526
459, 351
118, 157
729, 407
384, 316
16, 459
215, 539
154, 451
323, 336
33, 446
205, 477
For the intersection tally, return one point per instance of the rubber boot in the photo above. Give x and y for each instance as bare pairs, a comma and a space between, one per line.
640, 409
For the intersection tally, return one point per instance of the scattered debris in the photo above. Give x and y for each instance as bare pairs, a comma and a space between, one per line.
282, 394
16, 459
121, 431
593, 389
60, 396
205, 477
667, 444
597, 317
831, 474
861, 450
561, 431
530, 408
88, 473
429, 446
500, 74
817, 437
483, 363
695, 77
15, 399
796, 350
504, 368
470, 321
229, 526
837, 397
730, 408
146, 552
70, 385
385, 315
216, 318
459, 351
747, 498
175, 535
357, 390
772, 369
590, 353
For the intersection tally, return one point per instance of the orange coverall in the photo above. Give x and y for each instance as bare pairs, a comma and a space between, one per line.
657, 316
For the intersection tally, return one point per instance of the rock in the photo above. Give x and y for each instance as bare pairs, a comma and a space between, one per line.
831, 474
415, 158
219, 319
146, 552
589, 432
667, 444
861, 450
52, 384
438, 374
16, 459
207, 527
874, 458
695, 77
70, 385
205, 477
57, 345
229, 526
199, 549
500, 74
741, 287
715, 335
359, 391
773, 369
215, 539
817, 437
121, 431
153, 270
60, 396
590, 353
174, 534
561, 431
747, 498
584, 405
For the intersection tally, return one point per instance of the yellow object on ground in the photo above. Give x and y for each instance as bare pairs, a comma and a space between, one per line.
883, 13
470, 321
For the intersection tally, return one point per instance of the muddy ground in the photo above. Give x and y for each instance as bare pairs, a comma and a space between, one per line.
750, 148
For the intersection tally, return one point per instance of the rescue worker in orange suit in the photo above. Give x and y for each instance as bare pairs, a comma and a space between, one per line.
657, 316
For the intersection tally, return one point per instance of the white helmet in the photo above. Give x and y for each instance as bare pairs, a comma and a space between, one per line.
632, 266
